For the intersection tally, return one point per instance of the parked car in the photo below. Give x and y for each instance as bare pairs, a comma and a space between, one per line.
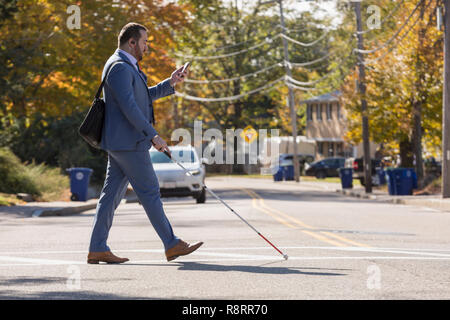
357, 164
287, 159
432, 167
325, 168
173, 180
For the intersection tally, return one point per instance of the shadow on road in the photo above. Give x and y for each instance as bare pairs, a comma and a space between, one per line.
25, 288
196, 266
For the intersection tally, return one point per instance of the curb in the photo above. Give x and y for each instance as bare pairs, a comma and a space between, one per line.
63, 211
349, 192
435, 203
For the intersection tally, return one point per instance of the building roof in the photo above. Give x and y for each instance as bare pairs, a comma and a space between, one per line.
327, 97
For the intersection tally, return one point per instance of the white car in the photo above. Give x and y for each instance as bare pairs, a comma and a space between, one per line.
173, 180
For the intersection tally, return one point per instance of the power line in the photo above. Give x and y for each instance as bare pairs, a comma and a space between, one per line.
394, 36
303, 44
239, 43
261, 38
267, 41
231, 98
328, 88
308, 63
384, 20
330, 72
371, 61
287, 79
280, 64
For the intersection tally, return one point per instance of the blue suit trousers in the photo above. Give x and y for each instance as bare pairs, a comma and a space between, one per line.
134, 167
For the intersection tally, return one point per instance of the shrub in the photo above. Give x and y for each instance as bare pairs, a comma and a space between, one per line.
14, 176
43, 182
53, 141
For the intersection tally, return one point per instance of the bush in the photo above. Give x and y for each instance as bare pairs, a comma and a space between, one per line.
53, 141
43, 182
49, 181
14, 176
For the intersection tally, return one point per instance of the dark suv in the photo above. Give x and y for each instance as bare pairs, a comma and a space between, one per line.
325, 168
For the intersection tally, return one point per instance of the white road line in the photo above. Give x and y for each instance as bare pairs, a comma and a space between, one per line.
262, 258
36, 261
215, 256
412, 251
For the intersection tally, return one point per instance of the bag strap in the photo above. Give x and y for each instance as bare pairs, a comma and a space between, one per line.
99, 91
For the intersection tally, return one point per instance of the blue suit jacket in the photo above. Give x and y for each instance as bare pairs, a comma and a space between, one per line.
129, 108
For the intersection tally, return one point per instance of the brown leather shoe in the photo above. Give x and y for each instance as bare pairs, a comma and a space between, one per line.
106, 256
181, 249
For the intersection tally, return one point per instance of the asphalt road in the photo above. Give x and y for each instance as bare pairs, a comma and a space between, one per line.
339, 248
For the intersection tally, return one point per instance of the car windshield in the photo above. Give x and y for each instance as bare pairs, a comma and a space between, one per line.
183, 156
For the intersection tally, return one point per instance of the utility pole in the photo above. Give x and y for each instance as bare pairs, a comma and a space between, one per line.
362, 91
446, 106
418, 102
291, 100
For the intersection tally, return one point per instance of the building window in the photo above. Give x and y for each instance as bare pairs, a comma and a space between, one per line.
320, 148
319, 112
331, 149
338, 106
308, 112
340, 149
329, 108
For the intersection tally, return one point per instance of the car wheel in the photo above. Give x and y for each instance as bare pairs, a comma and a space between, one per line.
321, 175
201, 198
74, 197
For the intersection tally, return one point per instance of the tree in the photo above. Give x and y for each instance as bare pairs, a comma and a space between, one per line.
49, 72
243, 41
404, 86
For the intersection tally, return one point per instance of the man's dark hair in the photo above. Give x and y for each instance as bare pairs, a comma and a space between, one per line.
130, 31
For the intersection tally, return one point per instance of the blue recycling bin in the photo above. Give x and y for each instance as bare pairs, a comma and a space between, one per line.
288, 173
346, 175
79, 183
401, 181
278, 176
390, 181
414, 177
404, 181
381, 176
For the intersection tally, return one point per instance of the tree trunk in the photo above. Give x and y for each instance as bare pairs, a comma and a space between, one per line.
406, 153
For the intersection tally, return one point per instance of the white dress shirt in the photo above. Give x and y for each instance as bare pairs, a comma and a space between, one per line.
131, 58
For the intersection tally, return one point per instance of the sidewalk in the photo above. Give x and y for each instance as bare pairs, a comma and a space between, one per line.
430, 201
45, 209
57, 208
64, 208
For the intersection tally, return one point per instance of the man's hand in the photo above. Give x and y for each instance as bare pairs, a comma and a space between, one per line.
178, 76
160, 144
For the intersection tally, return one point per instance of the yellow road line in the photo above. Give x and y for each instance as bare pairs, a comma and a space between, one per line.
276, 214
330, 234
282, 221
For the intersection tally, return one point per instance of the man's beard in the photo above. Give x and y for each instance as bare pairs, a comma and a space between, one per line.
138, 53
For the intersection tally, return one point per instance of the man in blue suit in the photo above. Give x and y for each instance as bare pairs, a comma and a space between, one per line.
127, 136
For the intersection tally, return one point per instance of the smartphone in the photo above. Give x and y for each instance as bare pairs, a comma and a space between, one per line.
186, 65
